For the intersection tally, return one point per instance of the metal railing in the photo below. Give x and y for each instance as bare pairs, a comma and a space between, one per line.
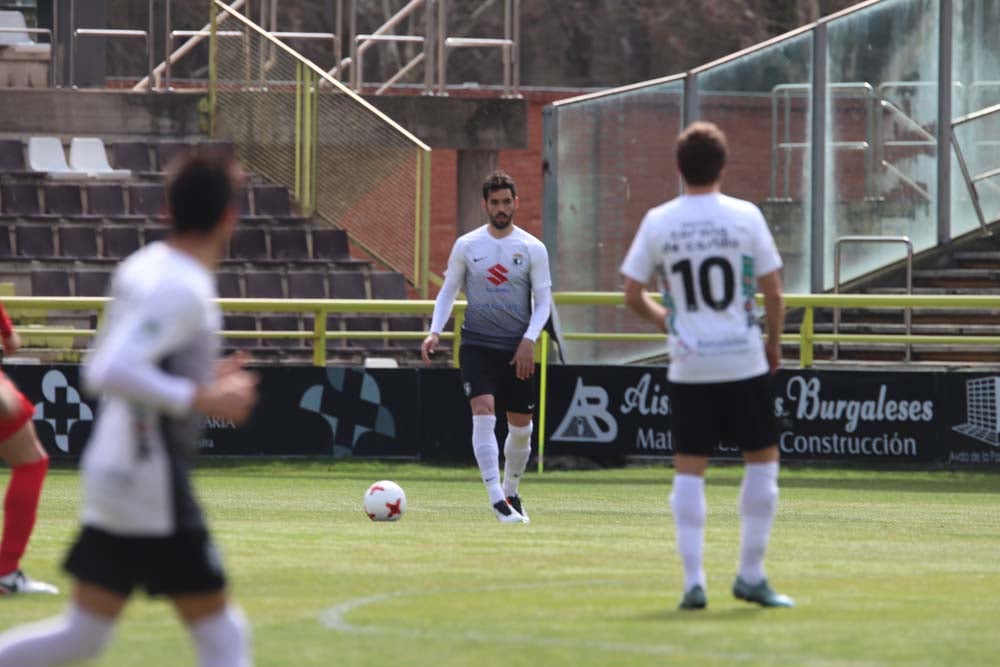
982, 177
838, 246
100, 32
806, 338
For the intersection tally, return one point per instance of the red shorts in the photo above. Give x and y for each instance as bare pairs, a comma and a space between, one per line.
11, 424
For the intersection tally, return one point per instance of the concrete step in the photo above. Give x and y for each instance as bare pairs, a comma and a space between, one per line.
983, 290
978, 260
951, 278
955, 316
917, 329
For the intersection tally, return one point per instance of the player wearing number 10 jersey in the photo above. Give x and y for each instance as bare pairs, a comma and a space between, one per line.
712, 252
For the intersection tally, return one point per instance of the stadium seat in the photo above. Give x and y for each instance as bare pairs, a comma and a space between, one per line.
166, 151
6, 244
366, 323
228, 285
92, 283
209, 147
248, 243
88, 155
46, 155
120, 241
153, 233
105, 200
77, 241
281, 323
20, 200
35, 241
240, 323
407, 323
20, 42
12, 158
132, 155
289, 243
330, 244
246, 211
347, 285
63, 201
49, 282
264, 285
388, 285
306, 285
147, 200
273, 201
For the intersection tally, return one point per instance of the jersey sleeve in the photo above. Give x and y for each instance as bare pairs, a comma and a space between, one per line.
540, 277
126, 361
640, 262
454, 280
765, 255
6, 326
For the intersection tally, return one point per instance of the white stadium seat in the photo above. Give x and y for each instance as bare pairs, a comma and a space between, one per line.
88, 156
20, 41
46, 154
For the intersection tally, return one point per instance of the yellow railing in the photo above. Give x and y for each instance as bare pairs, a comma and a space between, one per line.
320, 308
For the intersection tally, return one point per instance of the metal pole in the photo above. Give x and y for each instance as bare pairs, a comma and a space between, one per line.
506, 49
818, 158
338, 38
430, 46
56, 47
72, 43
213, 70
352, 31
442, 34
168, 44
150, 62
945, 83
774, 144
517, 48
690, 110
550, 185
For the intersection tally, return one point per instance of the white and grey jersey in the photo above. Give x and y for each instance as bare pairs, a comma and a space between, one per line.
158, 342
498, 276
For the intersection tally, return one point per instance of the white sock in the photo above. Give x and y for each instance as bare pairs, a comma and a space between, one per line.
758, 502
688, 504
484, 445
516, 452
75, 636
223, 640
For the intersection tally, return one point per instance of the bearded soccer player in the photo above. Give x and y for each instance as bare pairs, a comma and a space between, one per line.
154, 365
20, 449
501, 268
711, 253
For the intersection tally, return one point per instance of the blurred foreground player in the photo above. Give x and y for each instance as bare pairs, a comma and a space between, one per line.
155, 366
712, 253
20, 449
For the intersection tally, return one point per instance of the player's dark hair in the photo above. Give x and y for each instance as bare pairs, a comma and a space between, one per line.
200, 187
498, 180
701, 153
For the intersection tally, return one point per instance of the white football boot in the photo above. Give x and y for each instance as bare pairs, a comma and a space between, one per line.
18, 583
507, 514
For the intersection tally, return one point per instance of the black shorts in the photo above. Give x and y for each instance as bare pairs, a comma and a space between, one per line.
489, 371
180, 564
739, 413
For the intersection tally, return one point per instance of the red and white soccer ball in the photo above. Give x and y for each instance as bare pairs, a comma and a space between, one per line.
385, 501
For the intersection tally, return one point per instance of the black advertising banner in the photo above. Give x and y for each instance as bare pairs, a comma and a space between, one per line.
306, 411
607, 413
881, 418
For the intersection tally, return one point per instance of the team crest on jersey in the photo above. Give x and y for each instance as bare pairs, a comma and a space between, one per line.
518, 259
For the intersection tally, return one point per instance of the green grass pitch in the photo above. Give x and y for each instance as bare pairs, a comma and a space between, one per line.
887, 568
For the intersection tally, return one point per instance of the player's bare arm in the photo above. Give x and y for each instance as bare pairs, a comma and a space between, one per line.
639, 302
774, 308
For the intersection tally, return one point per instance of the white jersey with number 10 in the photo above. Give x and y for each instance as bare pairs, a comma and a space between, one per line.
709, 251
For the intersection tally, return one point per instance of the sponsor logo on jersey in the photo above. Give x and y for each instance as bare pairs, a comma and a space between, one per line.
497, 274
518, 259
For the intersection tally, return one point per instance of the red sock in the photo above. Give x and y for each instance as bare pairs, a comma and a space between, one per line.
20, 506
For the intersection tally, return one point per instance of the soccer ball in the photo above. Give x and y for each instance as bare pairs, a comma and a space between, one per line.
385, 501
